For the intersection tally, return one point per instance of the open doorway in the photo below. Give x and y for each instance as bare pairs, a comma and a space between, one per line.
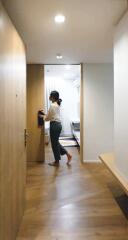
66, 79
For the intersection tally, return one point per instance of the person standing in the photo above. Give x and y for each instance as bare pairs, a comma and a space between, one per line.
53, 116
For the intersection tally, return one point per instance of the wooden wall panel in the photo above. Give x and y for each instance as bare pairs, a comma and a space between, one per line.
12, 125
35, 101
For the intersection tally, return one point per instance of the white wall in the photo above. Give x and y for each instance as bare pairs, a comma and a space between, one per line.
69, 108
121, 95
98, 109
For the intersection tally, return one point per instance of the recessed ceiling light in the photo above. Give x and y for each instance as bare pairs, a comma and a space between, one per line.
59, 18
59, 56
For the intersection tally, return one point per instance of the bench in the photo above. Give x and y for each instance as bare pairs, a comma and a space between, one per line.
109, 160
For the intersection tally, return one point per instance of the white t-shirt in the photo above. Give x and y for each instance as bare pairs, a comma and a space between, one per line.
53, 113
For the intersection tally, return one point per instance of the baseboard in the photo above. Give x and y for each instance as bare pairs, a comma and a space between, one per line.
92, 161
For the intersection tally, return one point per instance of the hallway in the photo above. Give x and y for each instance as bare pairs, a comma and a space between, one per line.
83, 201
72, 203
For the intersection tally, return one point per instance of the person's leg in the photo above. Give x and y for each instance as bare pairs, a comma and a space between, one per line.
63, 151
55, 129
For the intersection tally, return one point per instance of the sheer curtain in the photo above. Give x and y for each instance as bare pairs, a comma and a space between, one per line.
70, 100
51, 84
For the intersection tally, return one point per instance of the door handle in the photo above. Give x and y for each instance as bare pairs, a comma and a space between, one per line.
26, 135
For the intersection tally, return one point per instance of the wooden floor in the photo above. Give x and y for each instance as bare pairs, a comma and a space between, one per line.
72, 203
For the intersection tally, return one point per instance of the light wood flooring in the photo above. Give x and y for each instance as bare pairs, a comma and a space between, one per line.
72, 203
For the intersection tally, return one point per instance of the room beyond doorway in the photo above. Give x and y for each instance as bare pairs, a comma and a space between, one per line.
66, 79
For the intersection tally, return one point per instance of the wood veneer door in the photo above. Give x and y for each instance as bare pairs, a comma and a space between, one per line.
12, 125
35, 102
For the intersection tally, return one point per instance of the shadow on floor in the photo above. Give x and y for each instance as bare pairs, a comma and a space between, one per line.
122, 201
121, 198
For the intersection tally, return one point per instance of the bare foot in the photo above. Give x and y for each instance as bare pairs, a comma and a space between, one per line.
69, 156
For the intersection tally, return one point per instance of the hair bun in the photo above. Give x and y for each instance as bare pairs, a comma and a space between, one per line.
59, 101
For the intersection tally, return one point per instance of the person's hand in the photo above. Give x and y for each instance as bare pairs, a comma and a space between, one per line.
41, 112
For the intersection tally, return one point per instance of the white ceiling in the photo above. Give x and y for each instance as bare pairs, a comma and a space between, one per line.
86, 36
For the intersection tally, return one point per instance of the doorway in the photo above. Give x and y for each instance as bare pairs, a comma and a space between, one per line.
66, 79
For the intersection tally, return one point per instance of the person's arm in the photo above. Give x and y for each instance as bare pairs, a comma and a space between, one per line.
48, 116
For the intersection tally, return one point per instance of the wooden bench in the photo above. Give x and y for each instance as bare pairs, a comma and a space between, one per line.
109, 161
